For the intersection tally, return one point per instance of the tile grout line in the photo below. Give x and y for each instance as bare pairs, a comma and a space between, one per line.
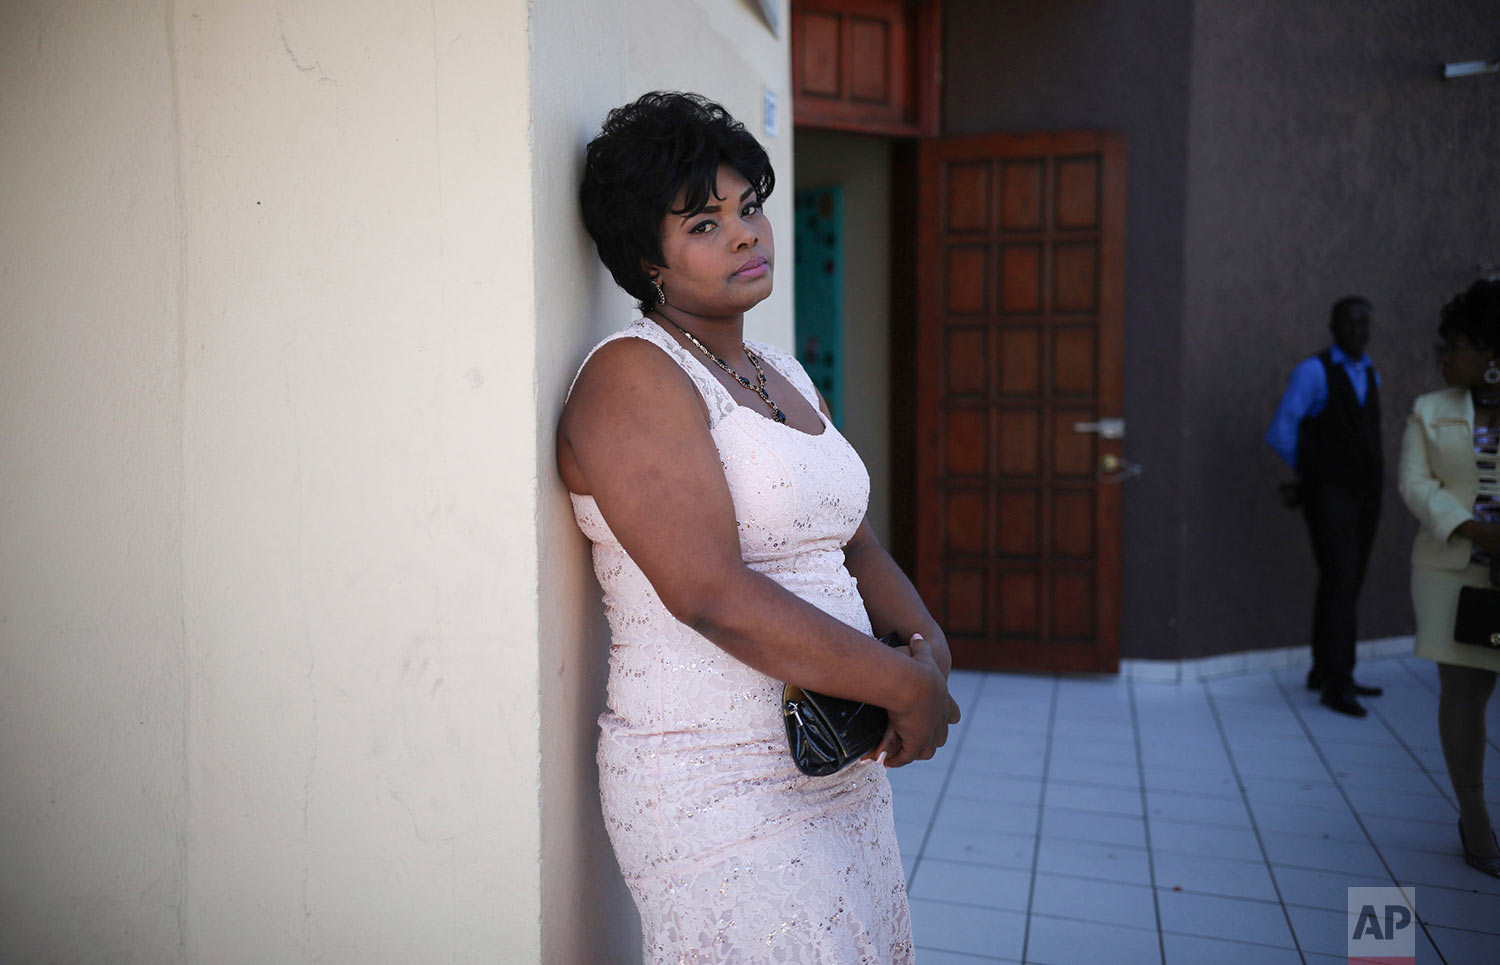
1391, 729
1140, 768
958, 746
1213, 706
1041, 813
1421, 682
1332, 774
1094, 879
1224, 704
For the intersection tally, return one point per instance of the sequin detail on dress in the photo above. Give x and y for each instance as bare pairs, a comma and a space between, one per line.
731, 854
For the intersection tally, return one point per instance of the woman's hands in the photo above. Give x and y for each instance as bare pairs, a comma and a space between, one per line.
920, 725
924, 709
1484, 536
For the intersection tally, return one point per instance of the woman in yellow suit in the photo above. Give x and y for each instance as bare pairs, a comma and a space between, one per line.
1449, 478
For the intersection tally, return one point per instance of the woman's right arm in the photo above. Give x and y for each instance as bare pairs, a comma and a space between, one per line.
1435, 507
634, 431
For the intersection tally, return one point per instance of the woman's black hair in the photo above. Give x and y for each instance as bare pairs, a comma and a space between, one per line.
646, 153
1474, 314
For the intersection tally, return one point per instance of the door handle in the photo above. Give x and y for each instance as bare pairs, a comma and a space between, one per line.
1113, 428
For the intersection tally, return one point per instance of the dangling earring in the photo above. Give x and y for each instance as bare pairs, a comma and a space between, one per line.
661, 299
1492, 373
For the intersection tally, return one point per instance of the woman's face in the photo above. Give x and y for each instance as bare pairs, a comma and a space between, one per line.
1463, 364
718, 261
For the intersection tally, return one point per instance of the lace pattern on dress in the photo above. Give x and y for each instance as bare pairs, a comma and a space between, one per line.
732, 854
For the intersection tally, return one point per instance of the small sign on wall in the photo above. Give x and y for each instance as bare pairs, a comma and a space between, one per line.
772, 113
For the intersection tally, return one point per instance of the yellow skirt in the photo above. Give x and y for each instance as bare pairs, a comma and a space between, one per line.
1434, 595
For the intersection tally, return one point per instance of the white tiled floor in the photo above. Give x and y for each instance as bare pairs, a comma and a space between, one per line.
1087, 820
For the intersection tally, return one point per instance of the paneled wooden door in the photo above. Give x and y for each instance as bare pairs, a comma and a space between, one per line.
1020, 271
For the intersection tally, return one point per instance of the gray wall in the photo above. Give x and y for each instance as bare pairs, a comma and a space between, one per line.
1013, 65
1282, 154
1327, 157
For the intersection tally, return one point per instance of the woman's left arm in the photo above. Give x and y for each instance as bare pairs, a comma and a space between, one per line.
890, 599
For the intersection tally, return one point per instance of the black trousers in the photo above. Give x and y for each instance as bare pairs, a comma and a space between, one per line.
1341, 522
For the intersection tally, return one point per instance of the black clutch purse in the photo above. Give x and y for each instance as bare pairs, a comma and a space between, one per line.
1478, 620
827, 734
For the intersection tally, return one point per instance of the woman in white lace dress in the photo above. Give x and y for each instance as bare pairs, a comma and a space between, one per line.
727, 517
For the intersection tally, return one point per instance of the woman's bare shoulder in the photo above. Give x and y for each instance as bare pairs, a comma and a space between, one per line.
630, 400
624, 372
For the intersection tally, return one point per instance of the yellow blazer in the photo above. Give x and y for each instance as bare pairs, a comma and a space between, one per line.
1437, 477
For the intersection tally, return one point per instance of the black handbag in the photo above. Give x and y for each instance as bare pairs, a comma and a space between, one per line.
826, 734
1478, 620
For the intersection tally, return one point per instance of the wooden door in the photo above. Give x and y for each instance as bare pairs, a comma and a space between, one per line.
1020, 270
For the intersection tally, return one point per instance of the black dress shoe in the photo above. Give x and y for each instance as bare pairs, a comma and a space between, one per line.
1342, 702
1315, 681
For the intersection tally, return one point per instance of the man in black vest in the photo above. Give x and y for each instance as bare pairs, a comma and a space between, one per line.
1327, 428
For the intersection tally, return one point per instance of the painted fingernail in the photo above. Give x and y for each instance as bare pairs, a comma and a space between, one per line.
880, 758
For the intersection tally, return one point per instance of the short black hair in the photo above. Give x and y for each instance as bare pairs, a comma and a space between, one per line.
647, 152
1474, 314
1345, 307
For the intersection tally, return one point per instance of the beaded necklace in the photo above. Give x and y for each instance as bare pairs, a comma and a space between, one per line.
758, 386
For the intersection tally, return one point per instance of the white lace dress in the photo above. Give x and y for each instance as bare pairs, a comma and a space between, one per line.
731, 853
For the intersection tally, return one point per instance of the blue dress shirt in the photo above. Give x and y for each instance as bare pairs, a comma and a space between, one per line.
1306, 394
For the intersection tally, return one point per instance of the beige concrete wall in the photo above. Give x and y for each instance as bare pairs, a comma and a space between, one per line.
293, 608
862, 166
589, 57
92, 676
268, 543
360, 555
